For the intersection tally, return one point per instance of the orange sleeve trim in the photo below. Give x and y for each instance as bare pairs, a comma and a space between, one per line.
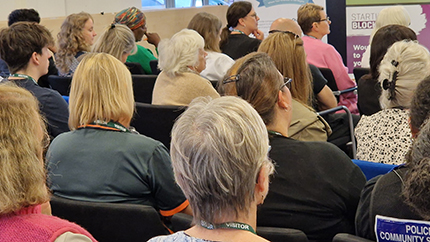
179, 208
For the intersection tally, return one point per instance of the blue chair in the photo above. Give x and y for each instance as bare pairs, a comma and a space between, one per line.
372, 169
66, 98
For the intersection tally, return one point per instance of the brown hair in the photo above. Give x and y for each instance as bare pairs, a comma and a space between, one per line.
70, 39
236, 11
382, 40
287, 52
254, 78
208, 26
19, 41
307, 14
22, 175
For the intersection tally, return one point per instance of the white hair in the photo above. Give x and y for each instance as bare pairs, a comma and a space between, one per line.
180, 52
411, 61
391, 15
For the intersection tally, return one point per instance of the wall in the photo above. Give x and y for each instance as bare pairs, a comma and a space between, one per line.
165, 22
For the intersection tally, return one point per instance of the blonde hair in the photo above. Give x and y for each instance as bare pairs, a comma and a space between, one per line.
402, 68
70, 39
208, 26
179, 52
287, 52
117, 40
22, 175
307, 14
101, 90
218, 148
391, 15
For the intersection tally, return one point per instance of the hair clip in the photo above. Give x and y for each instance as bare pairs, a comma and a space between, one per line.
386, 84
394, 63
391, 86
232, 78
112, 26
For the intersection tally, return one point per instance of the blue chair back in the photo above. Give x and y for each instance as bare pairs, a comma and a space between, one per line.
372, 169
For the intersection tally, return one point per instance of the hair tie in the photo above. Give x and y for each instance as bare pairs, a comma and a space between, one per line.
232, 78
230, 29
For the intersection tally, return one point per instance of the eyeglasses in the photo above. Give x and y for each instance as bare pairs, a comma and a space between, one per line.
287, 83
285, 32
327, 19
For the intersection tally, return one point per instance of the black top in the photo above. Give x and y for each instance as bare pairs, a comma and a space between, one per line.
239, 45
316, 188
382, 195
368, 91
52, 106
318, 79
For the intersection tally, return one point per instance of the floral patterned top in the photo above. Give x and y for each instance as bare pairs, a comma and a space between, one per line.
384, 137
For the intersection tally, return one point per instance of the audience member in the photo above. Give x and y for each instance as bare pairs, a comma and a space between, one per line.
316, 188
395, 194
101, 159
23, 192
242, 20
182, 59
385, 137
323, 95
136, 21
287, 52
209, 27
29, 15
387, 16
368, 89
219, 155
117, 40
74, 39
315, 25
24, 47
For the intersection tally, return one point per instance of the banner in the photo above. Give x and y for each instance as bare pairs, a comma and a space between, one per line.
399, 230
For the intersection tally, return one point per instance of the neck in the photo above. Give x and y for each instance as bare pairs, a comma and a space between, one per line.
279, 121
35, 75
243, 29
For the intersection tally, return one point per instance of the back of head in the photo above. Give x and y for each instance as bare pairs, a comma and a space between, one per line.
383, 39
307, 14
420, 105
23, 15
101, 90
70, 39
208, 26
286, 24
235, 11
254, 78
417, 182
132, 17
287, 52
117, 40
402, 68
218, 148
180, 52
19, 41
391, 15
22, 176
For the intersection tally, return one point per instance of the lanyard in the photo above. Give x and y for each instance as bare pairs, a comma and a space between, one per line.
227, 225
23, 76
274, 133
98, 124
236, 30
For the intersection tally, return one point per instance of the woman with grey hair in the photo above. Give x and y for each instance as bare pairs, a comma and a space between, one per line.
219, 156
182, 59
385, 137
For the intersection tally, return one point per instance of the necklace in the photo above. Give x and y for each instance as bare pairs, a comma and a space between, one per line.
23, 76
227, 225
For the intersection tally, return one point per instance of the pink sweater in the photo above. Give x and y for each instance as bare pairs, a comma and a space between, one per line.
29, 224
324, 55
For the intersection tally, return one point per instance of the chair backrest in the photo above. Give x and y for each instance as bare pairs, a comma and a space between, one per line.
182, 221
61, 84
109, 222
135, 68
154, 67
359, 72
142, 87
372, 169
328, 74
343, 237
156, 121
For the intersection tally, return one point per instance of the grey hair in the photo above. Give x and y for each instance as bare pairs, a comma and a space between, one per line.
391, 15
179, 52
416, 190
117, 39
218, 149
411, 61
